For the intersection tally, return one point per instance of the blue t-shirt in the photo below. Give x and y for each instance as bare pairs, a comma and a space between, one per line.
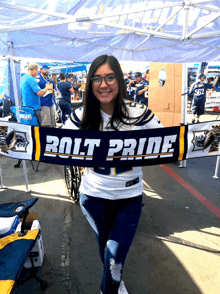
29, 88
199, 91
48, 99
63, 89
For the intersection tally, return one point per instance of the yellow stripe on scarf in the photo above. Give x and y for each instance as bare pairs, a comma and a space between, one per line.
181, 142
38, 146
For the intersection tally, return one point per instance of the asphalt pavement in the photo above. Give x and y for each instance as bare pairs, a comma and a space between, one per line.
176, 249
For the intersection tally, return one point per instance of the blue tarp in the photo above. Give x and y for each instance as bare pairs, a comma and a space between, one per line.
80, 30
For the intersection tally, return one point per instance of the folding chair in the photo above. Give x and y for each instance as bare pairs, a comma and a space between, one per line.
16, 248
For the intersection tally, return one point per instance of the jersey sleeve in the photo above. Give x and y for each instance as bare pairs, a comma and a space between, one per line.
191, 90
148, 119
73, 122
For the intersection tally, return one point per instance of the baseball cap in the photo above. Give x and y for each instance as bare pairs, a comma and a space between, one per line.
69, 75
130, 72
201, 75
138, 74
44, 66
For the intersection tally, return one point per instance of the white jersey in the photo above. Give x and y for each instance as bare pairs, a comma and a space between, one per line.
119, 182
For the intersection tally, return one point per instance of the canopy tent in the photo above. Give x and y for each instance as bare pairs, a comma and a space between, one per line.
138, 30
79, 30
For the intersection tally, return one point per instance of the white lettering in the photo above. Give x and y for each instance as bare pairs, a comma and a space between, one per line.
52, 147
77, 143
65, 147
140, 150
92, 143
167, 145
130, 144
153, 147
117, 144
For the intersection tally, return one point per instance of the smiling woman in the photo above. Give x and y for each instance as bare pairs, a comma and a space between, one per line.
111, 198
105, 87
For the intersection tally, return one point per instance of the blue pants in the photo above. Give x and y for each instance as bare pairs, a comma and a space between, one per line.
114, 223
198, 107
65, 108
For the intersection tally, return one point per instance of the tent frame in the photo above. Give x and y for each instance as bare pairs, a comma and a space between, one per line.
100, 20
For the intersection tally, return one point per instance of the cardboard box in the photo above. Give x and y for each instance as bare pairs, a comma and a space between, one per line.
166, 101
38, 250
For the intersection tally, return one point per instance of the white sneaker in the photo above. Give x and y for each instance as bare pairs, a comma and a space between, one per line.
122, 289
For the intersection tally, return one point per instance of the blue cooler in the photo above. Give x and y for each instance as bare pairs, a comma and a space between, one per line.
8, 225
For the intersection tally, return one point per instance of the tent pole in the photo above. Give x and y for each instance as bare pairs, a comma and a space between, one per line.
184, 81
12, 66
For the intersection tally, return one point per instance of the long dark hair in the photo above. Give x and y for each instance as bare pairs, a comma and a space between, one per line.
92, 119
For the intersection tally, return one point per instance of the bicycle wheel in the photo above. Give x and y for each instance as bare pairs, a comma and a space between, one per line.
68, 173
73, 180
76, 180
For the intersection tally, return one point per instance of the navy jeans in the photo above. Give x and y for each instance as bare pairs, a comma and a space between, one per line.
114, 223
65, 108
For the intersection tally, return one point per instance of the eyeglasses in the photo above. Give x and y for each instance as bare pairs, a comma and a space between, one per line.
110, 80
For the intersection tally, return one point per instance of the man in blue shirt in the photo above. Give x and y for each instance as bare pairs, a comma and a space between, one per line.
47, 109
140, 86
30, 90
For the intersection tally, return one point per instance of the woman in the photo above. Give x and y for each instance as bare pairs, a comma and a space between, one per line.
64, 96
54, 78
111, 198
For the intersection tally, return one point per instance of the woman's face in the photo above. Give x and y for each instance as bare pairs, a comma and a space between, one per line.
105, 93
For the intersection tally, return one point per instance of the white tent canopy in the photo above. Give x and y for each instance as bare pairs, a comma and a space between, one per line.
138, 30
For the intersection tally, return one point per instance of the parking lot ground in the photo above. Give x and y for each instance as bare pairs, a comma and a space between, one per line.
177, 245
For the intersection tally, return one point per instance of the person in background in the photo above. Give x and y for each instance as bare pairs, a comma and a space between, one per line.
47, 109
76, 85
55, 80
69, 78
130, 94
210, 80
111, 198
141, 86
147, 75
65, 90
147, 78
31, 91
198, 89
128, 78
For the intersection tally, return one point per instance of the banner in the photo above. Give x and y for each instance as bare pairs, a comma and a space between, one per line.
109, 149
